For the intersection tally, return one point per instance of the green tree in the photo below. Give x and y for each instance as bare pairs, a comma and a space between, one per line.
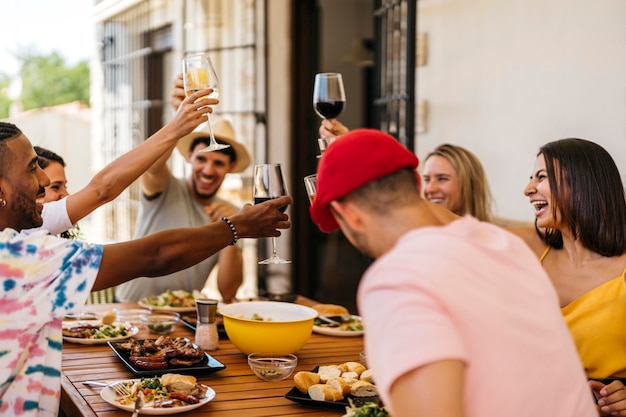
5, 101
48, 81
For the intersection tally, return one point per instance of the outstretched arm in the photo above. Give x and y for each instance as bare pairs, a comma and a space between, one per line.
154, 181
119, 174
172, 250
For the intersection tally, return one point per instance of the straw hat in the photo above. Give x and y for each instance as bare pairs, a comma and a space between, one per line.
223, 131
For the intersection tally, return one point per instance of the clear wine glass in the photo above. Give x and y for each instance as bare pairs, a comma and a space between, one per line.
199, 73
329, 97
269, 183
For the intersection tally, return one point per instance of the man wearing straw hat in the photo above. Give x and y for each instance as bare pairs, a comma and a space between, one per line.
168, 202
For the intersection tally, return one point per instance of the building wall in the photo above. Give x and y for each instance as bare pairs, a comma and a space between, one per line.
505, 77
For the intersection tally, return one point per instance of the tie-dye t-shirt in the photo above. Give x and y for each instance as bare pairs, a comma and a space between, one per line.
43, 278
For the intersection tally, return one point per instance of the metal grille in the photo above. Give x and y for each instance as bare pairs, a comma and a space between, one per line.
395, 27
138, 64
122, 55
232, 33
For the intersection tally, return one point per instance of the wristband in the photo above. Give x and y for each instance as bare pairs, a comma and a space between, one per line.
232, 229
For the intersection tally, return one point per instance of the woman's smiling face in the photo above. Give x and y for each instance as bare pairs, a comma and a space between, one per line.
540, 195
442, 184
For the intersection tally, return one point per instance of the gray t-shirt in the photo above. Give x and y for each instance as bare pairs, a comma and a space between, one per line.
174, 208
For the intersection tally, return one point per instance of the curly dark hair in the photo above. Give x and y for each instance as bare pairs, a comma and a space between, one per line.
7, 131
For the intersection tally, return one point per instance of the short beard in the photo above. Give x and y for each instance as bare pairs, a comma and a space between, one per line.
26, 206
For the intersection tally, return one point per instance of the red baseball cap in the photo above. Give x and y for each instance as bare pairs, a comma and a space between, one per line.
351, 161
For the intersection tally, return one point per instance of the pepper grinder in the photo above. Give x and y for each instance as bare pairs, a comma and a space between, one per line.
206, 328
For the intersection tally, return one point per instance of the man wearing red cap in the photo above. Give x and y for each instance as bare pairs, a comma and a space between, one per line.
461, 319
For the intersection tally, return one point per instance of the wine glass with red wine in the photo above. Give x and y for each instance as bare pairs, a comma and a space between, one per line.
269, 183
329, 97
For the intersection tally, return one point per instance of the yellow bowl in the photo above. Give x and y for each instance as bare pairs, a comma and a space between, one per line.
268, 326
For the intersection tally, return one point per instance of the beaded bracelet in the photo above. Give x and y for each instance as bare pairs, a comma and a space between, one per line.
232, 229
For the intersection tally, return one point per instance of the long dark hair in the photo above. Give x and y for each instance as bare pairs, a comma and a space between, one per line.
588, 192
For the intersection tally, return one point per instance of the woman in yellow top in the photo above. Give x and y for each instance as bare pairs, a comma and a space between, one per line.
580, 239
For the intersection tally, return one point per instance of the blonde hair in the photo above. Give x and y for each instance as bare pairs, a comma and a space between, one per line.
476, 195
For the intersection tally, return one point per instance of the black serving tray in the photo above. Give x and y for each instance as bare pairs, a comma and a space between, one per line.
207, 366
295, 395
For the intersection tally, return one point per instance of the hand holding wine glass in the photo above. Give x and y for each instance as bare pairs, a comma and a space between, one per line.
198, 74
269, 183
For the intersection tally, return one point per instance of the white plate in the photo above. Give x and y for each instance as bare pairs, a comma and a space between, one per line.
334, 331
82, 315
143, 304
132, 330
109, 395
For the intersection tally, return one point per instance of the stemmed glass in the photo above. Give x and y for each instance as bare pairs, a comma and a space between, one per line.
269, 183
198, 74
329, 99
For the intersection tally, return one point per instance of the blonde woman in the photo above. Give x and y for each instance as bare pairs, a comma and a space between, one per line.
454, 178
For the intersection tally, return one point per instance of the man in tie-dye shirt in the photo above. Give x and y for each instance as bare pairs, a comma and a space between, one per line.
45, 277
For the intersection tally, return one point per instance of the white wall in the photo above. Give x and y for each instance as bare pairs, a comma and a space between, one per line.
65, 130
504, 77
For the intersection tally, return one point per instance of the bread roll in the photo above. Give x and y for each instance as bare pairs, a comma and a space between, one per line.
353, 367
305, 379
324, 392
328, 371
349, 381
109, 317
352, 375
363, 389
340, 384
330, 310
367, 376
178, 383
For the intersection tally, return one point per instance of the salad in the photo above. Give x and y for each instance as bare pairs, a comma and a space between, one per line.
97, 331
346, 323
369, 409
161, 394
169, 298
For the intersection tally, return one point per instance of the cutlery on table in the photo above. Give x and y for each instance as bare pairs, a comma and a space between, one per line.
139, 403
332, 321
120, 387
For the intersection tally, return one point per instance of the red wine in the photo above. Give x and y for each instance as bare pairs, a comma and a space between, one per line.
329, 109
258, 200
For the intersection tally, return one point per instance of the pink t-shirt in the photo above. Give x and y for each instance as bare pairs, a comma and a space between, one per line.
474, 292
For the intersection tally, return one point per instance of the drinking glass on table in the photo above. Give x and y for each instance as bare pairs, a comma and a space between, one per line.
310, 183
269, 183
198, 74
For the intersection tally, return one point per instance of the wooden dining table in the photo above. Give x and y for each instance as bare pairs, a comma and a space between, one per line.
238, 391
